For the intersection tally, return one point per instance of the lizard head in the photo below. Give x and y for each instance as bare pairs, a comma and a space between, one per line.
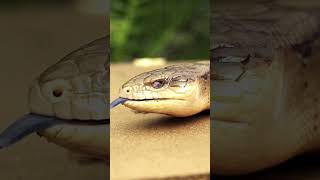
177, 90
68, 103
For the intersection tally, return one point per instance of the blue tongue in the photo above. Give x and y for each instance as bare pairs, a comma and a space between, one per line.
24, 126
117, 102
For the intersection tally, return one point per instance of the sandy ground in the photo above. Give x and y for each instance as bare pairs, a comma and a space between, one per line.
31, 40
152, 145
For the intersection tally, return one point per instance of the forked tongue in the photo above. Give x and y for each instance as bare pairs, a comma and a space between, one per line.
117, 102
24, 126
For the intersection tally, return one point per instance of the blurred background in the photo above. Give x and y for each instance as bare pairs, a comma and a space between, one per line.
98, 7
172, 29
34, 35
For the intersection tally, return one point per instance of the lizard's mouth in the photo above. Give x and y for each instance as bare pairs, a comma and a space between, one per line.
84, 122
121, 100
170, 106
31, 123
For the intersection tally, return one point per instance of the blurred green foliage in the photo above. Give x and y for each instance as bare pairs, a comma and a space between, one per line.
22, 2
173, 29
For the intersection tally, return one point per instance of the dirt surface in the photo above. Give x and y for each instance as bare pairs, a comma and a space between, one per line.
31, 40
152, 145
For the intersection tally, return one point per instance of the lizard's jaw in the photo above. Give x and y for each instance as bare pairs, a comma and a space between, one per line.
172, 107
246, 100
230, 103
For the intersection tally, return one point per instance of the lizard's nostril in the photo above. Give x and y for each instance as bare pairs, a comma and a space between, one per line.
57, 92
127, 90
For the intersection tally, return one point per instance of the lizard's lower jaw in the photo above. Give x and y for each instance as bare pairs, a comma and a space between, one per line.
228, 101
172, 107
236, 102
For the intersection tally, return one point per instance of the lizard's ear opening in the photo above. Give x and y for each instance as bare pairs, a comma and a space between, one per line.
178, 81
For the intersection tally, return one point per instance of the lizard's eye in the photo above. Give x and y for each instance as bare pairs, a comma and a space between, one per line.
158, 84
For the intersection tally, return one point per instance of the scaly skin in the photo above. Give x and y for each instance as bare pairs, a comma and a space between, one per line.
265, 92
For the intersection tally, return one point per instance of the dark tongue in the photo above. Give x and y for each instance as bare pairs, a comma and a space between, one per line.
117, 102
24, 126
